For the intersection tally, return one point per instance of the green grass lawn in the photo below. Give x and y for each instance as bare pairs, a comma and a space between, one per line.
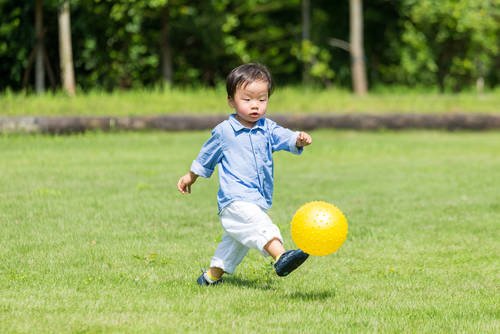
286, 100
95, 237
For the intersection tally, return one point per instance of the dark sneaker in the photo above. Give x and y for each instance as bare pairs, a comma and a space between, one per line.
289, 261
202, 280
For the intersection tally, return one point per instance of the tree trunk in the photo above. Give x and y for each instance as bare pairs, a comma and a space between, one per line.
39, 66
65, 49
357, 52
306, 36
166, 51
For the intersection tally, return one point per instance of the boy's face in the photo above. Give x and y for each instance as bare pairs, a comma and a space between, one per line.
250, 102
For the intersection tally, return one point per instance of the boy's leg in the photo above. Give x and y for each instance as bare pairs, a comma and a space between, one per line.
274, 248
286, 261
252, 227
228, 255
215, 273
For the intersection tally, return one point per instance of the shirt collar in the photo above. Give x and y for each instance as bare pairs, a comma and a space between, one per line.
237, 126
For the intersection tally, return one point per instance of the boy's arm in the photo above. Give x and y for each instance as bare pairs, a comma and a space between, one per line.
288, 140
303, 139
185, 182
204, 163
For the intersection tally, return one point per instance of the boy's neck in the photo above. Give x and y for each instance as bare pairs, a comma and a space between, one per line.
245, 123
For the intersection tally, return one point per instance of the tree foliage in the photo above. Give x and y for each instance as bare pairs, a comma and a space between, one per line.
116, 44
449, 42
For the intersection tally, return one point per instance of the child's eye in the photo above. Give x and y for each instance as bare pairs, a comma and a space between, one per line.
246, 99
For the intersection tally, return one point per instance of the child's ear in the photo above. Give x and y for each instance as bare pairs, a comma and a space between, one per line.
230, 102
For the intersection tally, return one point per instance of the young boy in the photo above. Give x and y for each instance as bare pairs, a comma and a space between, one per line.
242, 148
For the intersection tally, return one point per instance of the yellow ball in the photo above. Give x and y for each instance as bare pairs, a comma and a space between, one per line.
319, 228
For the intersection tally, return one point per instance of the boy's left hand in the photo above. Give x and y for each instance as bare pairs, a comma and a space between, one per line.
303, 139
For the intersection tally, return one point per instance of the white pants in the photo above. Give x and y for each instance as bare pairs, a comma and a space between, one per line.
245, 226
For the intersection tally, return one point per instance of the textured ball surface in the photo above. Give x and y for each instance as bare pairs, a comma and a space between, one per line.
319, 228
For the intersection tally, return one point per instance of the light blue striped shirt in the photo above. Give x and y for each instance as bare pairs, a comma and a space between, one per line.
245, 159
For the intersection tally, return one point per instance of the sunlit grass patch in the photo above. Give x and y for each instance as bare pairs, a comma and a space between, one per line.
206, 101
96, 238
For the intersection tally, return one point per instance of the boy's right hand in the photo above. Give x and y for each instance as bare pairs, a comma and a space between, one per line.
185, 182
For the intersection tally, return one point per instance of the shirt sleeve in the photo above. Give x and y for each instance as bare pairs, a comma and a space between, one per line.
210, 154
285, 139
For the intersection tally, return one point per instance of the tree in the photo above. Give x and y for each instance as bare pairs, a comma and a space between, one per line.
452, 42
144, 43
39, 48
356, 47
315, 59
165, 46
306, 38
65, 49
39, 54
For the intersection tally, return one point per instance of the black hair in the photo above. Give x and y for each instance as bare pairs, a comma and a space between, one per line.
246, 73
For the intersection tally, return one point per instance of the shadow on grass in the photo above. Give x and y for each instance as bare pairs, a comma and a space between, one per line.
261, 284
274, 284
311, 295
